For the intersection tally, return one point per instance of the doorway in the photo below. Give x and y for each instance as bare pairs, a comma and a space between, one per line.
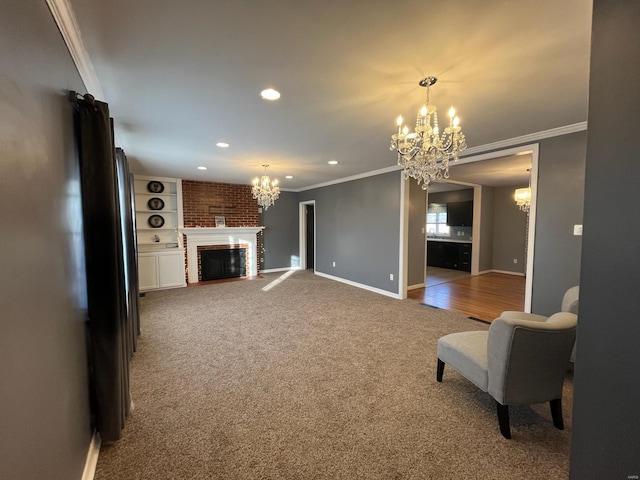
310, 258
307, 215
472, 174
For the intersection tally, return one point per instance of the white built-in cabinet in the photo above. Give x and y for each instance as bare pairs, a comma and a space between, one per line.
158, 204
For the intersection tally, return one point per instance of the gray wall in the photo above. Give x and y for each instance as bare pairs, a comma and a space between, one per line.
44, 410
416, 246
509, 231
606, 427
559, 207
486, 229
557, 251
281, 233
358, 227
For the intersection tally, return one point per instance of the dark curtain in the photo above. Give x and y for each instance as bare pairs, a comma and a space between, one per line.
108, 230
127, 216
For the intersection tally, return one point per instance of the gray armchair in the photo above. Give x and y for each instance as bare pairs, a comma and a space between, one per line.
570, 303
517, 361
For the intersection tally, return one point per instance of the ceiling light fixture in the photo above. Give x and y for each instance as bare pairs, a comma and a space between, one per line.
270, 94
424, 153
265, 191
202, 168
332, 162
222, 145
522, 196
288, 177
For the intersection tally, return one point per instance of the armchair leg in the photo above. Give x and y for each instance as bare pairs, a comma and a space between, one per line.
503, 419
556, 413
440, 370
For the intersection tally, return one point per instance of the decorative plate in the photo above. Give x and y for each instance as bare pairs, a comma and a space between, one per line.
155, 187
156, 221
155, 203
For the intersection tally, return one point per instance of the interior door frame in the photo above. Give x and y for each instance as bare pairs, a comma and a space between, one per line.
302, 213
532, 149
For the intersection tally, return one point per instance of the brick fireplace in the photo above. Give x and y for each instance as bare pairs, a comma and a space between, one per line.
222, 253
220, 237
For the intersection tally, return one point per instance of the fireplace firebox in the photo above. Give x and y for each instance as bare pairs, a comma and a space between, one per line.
223, 263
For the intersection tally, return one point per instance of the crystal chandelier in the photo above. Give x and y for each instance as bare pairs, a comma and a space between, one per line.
424, 153
523, 198
265, 191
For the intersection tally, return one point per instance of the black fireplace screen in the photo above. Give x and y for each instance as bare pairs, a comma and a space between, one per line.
223, 263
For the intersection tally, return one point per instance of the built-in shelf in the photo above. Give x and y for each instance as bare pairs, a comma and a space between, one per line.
157, 229
159, 244
161, 261
142, 210
151, 194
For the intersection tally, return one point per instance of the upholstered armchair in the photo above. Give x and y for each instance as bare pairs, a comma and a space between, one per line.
517, 361
570, 303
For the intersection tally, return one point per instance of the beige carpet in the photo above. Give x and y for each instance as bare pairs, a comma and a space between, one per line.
314, 379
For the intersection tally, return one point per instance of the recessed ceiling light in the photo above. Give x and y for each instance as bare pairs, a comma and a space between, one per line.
270, 94
332, 162
289, 177
202, 168
222, 145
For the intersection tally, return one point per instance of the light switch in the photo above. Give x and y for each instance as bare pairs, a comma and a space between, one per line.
577, 229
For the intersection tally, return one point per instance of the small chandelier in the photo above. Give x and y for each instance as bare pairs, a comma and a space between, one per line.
424, 153
264, 190
523, 198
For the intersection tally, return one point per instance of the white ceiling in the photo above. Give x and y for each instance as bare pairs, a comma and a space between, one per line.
181, 76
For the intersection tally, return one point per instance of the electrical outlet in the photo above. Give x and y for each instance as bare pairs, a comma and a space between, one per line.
515, 260
334, 264
577, 229
391, 276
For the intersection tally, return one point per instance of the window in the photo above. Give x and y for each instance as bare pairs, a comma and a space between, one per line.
437, 220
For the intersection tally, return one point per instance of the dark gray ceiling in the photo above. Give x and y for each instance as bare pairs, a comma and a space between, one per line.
181, 76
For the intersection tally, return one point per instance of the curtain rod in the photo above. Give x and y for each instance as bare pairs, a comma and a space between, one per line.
74, 96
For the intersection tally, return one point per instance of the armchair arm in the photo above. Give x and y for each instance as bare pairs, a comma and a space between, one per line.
570, 300
532, 317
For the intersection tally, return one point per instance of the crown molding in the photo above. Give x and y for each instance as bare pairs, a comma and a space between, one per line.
531, 137
372, 173
66, 22
489, 147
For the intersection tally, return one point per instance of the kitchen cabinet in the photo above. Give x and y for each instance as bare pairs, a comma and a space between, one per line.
464, 257
460, 214
452, 255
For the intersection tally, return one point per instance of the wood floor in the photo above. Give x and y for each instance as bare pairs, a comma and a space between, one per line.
483, 297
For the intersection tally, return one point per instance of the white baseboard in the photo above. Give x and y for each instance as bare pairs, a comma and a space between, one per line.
360, 285
92, 457
417, 286
283, 269
519, 274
